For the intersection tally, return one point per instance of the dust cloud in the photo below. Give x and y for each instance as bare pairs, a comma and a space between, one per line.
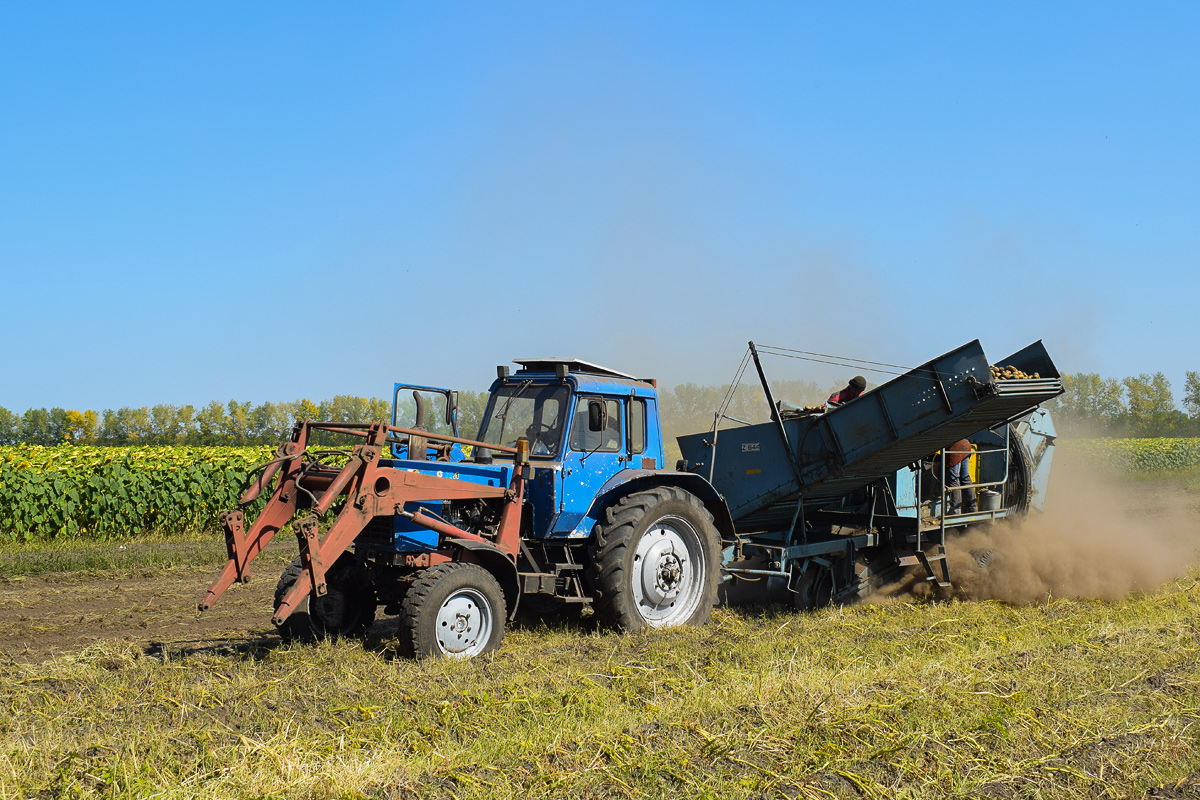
1096, 539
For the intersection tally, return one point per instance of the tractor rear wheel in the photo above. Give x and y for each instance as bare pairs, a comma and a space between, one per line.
655, 561
455, 610
347, 609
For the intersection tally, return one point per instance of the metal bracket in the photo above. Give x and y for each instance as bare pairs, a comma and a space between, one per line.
235, 542
310, 554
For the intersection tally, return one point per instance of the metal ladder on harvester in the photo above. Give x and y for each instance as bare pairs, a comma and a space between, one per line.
929, 541
929, 549
929, 545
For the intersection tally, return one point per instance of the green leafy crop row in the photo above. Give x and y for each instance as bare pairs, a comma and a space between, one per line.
113, 492
1137, 455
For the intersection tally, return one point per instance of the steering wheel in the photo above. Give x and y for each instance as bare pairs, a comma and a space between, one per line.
541, 427
536, 433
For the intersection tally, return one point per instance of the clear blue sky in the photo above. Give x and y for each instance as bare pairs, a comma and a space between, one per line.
267, 201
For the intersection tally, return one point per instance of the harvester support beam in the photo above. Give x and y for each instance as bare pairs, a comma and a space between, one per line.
244, 548
286, 452
425, 520
783, 437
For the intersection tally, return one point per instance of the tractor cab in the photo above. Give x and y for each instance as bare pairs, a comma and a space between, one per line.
585, 425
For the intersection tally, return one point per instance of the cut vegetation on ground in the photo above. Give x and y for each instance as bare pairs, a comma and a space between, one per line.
115, 687
1072, 698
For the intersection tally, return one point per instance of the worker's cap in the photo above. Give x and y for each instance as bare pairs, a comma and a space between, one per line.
858, 382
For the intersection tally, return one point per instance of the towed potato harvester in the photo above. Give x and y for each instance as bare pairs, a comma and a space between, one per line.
564, 500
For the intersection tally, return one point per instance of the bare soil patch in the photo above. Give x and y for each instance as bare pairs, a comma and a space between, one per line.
58, 614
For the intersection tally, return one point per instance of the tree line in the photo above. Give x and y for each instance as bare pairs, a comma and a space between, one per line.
1136, 406
687, 408
229, 424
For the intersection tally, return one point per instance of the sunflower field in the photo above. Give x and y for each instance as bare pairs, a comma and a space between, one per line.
1136, 455
115, 492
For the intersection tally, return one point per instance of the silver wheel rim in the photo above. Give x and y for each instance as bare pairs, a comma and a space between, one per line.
464, 624
668, 572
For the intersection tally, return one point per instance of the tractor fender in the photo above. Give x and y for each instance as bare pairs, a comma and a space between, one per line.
501, 566
628, 481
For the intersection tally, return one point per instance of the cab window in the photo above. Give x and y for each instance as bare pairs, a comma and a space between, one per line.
605, 441
637, 426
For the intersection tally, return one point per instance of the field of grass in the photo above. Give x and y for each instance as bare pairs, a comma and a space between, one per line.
1071, 698
901, 698
97, 557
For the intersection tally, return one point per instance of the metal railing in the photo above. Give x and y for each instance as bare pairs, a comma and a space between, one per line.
979, 513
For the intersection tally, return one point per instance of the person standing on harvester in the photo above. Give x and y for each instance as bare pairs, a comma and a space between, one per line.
958, 473
853, 389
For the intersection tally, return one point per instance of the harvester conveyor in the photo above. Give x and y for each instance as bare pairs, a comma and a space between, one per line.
857, 444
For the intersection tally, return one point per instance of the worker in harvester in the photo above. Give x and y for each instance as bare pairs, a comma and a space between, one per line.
958, 473
854, 388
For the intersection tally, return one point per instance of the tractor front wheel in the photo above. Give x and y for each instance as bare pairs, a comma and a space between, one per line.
455, 610
655, 561
347, 609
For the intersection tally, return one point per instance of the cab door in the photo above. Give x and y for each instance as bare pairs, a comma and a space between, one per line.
431, 409
592, 456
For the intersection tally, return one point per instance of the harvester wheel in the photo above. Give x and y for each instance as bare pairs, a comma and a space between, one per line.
347, 609
816, 590
455, 610
655, 561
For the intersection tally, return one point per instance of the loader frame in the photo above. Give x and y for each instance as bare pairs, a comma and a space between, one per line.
369, 490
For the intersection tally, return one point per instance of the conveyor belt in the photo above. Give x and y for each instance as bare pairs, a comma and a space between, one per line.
885, 430
991, 412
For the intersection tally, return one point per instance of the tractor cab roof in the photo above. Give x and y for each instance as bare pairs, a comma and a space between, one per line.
583, 375
573, 365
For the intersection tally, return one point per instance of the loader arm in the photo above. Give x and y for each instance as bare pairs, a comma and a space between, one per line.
369, 489
244, 547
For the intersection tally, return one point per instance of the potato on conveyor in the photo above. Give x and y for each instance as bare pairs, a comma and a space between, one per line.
1011, 373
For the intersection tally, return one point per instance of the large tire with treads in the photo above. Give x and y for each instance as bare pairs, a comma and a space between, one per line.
816, 590
454, 610
655, 561
347, 609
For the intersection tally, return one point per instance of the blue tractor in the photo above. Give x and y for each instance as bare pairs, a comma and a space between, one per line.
563, 499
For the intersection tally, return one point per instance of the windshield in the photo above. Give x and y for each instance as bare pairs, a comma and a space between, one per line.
525, 410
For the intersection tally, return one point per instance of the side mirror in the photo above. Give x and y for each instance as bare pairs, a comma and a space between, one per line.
451, 407
597, 415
